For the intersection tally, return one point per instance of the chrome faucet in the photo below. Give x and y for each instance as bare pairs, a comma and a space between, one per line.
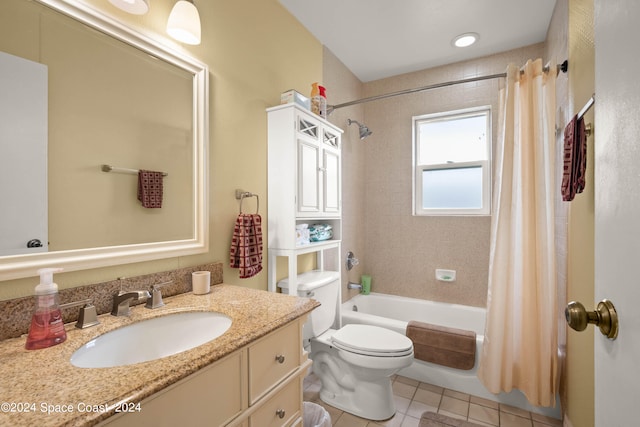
121, 301
353, 285
351, 260
87, 316
156, 295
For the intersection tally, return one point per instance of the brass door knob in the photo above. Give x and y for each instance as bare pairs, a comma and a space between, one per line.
604, 317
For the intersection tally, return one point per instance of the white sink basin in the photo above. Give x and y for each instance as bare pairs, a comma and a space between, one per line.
151, 339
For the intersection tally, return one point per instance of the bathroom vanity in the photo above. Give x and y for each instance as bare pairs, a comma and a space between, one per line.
258, 385
250, 376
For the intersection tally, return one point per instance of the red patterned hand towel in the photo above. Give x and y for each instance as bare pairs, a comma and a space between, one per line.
246, 245
150, 188
575, 159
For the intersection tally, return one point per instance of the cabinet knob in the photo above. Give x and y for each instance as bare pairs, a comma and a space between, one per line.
280, 359
280, 413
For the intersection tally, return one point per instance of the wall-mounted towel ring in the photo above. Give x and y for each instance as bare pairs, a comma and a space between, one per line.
241, 195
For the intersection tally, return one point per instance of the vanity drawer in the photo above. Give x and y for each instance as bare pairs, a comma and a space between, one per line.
210, 397
283, 409
272, 359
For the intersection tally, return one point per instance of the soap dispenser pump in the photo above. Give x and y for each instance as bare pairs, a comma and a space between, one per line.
47, 328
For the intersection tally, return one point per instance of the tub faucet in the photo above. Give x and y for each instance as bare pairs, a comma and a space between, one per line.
121, 301
351, 260
353, 285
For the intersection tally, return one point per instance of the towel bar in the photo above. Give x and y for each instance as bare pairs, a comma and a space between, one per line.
109, 168
587, 106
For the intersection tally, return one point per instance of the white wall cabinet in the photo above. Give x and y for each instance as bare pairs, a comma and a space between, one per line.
304, 173
318, 178
259, 385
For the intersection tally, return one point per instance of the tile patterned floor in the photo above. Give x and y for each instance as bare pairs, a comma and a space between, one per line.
414, 397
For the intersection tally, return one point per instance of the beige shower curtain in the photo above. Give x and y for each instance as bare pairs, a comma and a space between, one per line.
521, 336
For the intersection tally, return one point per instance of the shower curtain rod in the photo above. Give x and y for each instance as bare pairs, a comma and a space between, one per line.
559, 67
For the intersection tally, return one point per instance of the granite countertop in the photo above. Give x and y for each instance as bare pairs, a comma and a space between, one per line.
41, 387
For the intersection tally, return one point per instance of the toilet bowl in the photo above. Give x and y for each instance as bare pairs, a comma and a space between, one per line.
354, 363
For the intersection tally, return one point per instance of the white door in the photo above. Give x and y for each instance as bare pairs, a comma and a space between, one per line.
23, 155
617, 209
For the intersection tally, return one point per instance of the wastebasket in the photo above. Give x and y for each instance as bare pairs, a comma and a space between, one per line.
315, 415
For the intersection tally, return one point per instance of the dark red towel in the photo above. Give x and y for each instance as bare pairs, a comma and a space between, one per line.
150, 188
246, 245
575, 159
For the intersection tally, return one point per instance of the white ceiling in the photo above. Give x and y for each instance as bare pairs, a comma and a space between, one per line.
382, 38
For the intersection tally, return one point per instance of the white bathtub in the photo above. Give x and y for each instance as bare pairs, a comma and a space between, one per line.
394, 312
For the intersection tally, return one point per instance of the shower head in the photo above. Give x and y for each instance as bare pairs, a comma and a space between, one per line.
364, 130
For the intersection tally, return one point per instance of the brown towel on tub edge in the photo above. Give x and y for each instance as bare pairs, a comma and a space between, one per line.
445, 346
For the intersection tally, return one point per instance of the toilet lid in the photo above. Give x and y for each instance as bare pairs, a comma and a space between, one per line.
372, 340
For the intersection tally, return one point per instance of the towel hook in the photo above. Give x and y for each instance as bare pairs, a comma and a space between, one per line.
241, 195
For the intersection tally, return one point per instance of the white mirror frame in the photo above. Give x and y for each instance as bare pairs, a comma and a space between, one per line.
18, 266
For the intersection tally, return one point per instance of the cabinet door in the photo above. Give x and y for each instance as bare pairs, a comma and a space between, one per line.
308, 177
331, 182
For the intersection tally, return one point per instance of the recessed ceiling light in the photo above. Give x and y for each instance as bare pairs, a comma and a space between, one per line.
466, 39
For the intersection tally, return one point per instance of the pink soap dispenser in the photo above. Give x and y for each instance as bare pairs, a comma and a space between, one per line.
46, 328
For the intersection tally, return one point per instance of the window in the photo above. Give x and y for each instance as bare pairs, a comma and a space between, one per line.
451, 153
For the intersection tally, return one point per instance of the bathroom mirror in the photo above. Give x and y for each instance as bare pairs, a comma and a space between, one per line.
116, 97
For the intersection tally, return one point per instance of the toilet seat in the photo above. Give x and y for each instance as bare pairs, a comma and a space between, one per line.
371, 340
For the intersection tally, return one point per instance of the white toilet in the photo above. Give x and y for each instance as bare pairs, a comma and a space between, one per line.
355, 362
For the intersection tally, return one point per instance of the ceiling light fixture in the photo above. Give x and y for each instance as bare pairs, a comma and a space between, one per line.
136, 7
184, 22
466, 39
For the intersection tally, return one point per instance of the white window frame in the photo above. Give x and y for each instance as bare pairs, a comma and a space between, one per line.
418, 210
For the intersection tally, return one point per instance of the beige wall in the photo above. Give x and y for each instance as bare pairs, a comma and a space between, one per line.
254, 52
580, 287
571, 36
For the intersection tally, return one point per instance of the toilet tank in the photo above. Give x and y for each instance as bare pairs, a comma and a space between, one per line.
322, 286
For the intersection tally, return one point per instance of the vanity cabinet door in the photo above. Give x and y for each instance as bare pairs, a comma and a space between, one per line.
272, 359
212, 396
